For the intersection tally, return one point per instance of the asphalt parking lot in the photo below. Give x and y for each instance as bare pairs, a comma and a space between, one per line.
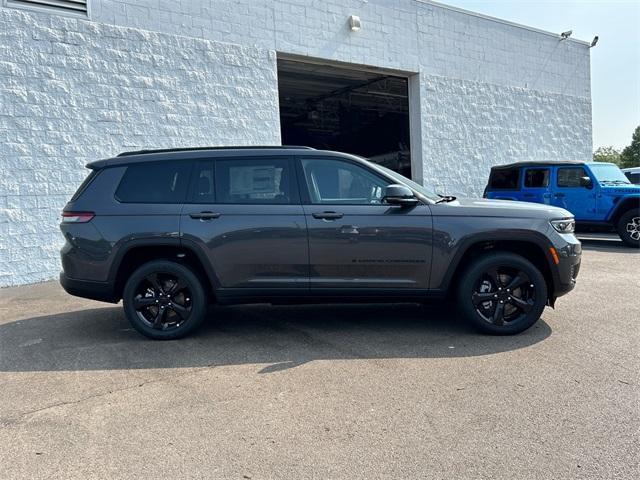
398, 391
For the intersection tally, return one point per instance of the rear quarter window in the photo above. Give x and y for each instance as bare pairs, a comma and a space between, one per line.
504, 179
83, 186
154, 182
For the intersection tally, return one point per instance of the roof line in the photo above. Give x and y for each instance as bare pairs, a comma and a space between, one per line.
500, 20
191, 149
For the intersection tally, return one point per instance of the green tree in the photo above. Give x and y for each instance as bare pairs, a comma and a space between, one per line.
630, 156
607, 154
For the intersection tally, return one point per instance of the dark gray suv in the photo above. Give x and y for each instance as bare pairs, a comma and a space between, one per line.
171, 231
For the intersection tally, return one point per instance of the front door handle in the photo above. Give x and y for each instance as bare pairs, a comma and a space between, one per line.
327, 215
559, 195
204, 215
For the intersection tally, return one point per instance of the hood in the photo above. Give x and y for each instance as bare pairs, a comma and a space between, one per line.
483, 207
617, 190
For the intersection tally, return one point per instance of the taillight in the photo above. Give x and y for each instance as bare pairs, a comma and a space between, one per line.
77, 217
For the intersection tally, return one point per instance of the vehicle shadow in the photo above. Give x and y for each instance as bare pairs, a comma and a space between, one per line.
280, 336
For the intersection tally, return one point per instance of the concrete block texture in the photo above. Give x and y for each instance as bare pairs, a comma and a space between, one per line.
73, 91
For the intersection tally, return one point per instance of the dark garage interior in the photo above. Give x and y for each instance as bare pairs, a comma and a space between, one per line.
354, 111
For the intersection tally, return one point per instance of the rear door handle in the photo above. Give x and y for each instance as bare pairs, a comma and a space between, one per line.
327, 215
204, 215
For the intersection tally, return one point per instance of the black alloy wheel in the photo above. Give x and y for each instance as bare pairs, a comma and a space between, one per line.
164, 300
502, 293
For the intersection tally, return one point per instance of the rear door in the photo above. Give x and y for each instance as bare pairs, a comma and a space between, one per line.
504, 184
569, 194
536, 185
355, 240
245, 215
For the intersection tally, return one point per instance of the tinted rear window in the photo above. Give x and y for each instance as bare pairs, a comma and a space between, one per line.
504, 179
83, 186
261, 180
162, 182
536, 177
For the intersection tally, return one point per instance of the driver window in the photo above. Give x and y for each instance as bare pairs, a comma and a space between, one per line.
338, 182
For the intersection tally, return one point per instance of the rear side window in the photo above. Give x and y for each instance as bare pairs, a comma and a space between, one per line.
504, 179
259, 181
536, 178
161, 182
83, 186
570, 177
202, 183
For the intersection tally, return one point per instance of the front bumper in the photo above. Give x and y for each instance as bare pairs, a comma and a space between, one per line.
568, 267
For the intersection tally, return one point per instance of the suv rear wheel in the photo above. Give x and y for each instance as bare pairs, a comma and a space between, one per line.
502, 293
164, 300
629, 228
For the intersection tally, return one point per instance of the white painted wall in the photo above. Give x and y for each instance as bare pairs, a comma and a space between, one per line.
483, 92
73, 91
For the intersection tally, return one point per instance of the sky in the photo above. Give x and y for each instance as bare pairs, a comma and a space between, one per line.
615, 60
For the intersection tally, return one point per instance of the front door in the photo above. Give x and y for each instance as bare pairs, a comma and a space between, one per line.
569, 194
355, 240
245, 213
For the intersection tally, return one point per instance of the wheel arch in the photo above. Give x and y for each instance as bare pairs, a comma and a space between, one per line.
623, 206
536, 251
139, 252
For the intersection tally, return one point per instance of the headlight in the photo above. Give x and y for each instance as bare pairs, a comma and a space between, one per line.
564, 225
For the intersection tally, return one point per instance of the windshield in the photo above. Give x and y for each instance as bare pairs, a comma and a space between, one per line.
608, 173
410, 183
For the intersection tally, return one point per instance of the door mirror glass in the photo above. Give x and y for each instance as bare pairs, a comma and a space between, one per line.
586, 182
396, 194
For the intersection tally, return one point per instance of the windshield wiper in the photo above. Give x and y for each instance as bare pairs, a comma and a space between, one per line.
445, 198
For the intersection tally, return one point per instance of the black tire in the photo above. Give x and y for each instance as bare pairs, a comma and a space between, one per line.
506, 285
629, 228
164, 300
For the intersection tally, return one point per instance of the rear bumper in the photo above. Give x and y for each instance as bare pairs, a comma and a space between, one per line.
101, 291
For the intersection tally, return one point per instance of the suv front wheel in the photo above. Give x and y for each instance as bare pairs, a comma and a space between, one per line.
502, 293
629, 228
164, 300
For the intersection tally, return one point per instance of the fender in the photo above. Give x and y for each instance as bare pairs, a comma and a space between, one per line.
488, 238
624, 203
134, 243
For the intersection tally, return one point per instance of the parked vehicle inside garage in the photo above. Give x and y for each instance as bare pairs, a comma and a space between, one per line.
598, 194
169, 231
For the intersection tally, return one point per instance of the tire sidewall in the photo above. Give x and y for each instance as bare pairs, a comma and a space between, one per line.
479, 267
198, 299
622, 228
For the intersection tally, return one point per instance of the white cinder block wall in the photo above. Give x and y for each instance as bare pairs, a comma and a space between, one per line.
154, 73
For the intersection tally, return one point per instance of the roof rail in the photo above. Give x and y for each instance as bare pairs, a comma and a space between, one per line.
188, 149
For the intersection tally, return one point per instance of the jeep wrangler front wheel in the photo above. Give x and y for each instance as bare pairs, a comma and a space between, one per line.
502, 293
629, 228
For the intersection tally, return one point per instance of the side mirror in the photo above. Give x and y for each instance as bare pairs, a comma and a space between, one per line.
586, 182
399, 195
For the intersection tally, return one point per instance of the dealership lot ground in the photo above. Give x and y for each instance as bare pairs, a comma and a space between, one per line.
397, 391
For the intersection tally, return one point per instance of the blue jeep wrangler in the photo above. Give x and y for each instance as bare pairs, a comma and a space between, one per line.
598, 194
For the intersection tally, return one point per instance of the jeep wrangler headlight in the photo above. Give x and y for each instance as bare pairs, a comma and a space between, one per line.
564, 225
